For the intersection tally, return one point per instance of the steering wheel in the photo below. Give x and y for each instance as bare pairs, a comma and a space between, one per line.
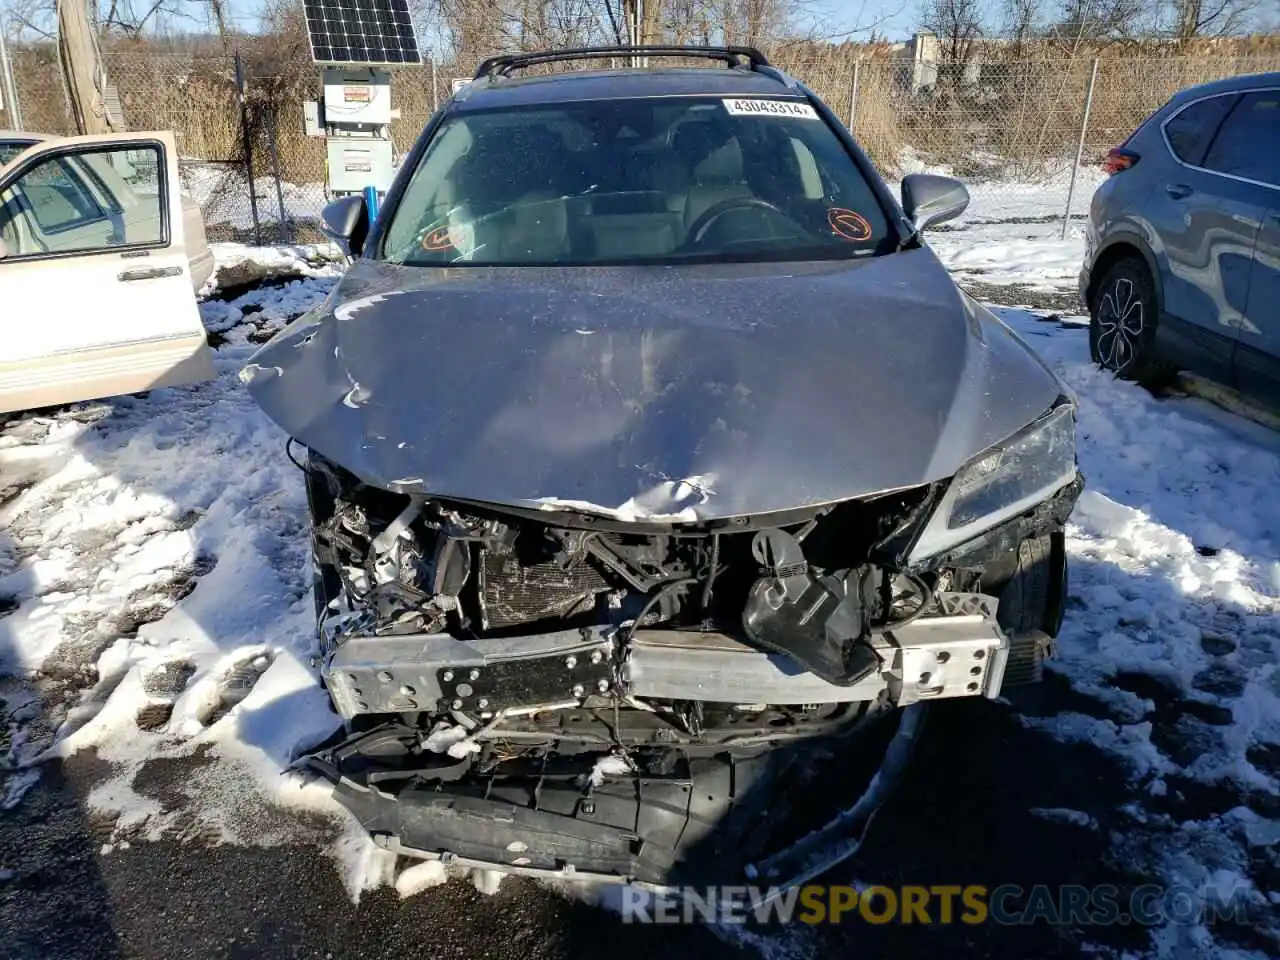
704, 220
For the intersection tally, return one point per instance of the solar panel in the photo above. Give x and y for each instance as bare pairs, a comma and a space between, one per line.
361, 31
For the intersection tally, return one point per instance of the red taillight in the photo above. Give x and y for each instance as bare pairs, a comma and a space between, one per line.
1118, 160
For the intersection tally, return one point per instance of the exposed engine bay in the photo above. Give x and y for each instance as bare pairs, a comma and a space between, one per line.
616, 560
582, 674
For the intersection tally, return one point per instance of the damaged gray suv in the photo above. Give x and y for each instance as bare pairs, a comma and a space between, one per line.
659, 475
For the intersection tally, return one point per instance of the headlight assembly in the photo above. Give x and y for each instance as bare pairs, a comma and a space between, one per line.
1003, 482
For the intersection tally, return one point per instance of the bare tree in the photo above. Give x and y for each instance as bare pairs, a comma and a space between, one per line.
1022, 23
28, 19
479, 27
36, 19
1082, 21
1210, 18
957, 24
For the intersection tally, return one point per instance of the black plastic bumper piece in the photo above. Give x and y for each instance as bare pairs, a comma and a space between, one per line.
644, 828
711, 820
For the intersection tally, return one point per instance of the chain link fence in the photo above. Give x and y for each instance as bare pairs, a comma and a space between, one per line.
1026, 134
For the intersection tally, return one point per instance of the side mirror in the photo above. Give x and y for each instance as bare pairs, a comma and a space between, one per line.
346, 222
928, 200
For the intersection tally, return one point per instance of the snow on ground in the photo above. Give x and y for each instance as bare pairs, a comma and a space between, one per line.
1172, 641
238, 266
264, 309
1035, 256
154, 582
222, 192
1011, 232
157, 583
302, 259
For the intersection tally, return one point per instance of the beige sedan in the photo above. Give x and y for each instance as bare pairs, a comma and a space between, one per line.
200, 256
100, 255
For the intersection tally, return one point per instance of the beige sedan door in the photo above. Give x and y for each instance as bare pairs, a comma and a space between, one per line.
95, 296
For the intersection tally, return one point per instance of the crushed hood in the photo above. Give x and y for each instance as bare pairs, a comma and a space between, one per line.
682, 393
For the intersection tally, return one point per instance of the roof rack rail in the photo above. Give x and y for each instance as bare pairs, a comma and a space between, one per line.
502, 65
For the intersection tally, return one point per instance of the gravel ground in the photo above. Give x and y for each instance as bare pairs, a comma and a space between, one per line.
1017, 295
63, 898
962, 816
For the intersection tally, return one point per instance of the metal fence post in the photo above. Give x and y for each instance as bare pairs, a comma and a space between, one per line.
286, 232
1084, 129
9, 86
247, 134
435, 95
853, 100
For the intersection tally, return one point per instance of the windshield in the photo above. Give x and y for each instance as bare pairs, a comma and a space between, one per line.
636, 181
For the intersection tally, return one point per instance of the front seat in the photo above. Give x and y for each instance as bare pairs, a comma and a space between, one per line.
714, 160
536, 228
509, 199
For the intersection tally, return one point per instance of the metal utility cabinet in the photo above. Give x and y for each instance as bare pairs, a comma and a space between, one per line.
355, 118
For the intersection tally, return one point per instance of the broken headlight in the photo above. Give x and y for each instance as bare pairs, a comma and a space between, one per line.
1003, 482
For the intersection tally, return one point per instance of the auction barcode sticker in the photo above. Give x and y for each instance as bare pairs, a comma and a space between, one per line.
770, 108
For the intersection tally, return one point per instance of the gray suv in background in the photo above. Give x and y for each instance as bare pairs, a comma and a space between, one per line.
1182, 260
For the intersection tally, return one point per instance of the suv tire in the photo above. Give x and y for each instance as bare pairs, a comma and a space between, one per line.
1122, 323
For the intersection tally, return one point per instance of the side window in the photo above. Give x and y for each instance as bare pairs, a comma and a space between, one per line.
1191, 130
85, 202
1248, 145
57, 197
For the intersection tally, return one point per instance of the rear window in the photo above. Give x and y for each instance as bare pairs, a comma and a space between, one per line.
1191, 130
636, 181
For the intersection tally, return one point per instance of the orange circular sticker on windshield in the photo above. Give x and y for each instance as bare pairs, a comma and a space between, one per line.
849, 225
437, 239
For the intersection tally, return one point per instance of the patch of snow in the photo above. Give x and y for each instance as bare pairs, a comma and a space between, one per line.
454, 740
666, 502
421, 876
264, 308
165, 538
16, 787
613, 765
1076, 818
222, 191
487, 881
1011, 232
362, 864
297, 258
1031, 255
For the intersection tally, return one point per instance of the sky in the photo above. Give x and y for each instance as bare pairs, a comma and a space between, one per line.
893, 19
